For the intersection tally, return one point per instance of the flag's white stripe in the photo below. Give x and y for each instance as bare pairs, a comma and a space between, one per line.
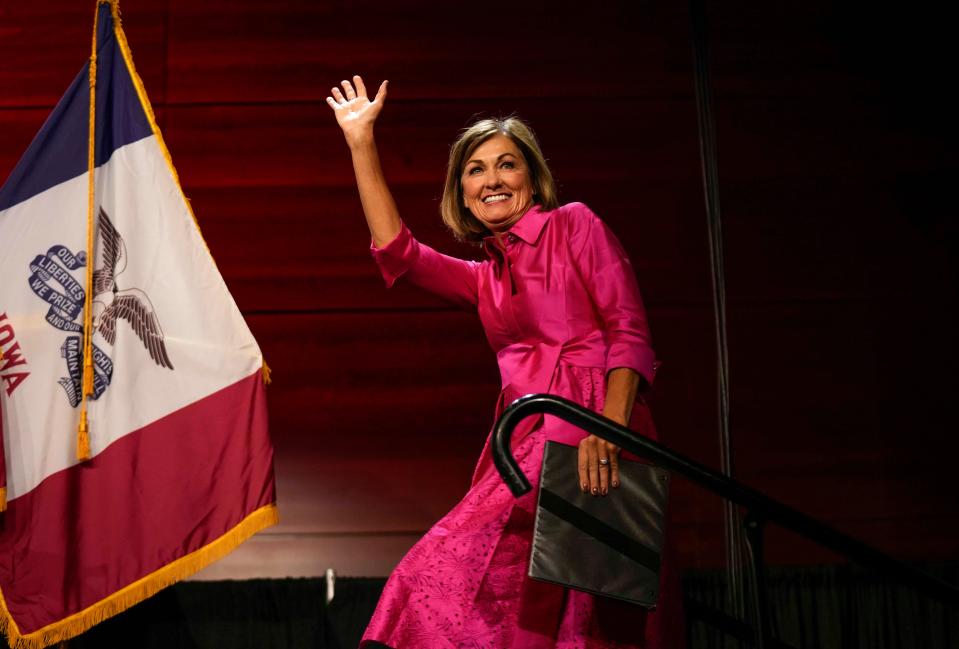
206, 338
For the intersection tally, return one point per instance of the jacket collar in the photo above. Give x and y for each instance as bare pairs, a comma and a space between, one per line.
531, 225
528, 228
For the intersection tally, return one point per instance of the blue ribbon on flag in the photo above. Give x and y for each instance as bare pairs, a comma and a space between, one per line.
67, 305
72, 352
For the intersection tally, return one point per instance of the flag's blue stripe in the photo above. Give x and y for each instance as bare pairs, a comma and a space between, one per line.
59, 151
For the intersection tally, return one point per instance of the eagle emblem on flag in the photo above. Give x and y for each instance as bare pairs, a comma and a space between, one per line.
143, 474
110, 303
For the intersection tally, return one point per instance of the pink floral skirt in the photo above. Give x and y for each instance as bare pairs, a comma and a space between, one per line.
464, 585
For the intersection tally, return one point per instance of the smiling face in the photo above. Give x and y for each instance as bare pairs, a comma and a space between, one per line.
497, 187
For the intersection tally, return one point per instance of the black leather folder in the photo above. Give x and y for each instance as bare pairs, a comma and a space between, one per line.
606, 545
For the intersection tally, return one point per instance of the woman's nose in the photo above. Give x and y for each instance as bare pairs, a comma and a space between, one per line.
493, 179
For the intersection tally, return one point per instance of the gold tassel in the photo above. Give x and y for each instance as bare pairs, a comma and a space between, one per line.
266, 373
87, 372
83, 436
83, 430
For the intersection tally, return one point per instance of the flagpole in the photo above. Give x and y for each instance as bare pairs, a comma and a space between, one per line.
162, 531
83, 431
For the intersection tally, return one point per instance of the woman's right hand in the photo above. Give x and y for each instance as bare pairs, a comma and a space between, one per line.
355, 112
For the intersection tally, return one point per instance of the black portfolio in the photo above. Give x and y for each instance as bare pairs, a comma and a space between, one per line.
603, 545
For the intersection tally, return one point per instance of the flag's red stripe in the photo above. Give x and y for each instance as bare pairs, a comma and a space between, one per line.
150, 498
3, 460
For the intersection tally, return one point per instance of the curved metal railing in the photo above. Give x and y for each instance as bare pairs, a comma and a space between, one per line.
760, 509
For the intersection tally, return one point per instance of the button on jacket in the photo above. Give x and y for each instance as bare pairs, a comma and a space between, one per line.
557, 293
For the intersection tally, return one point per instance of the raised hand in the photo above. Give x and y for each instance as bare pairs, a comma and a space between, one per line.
355, 112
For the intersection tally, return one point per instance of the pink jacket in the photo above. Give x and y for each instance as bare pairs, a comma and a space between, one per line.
560, 292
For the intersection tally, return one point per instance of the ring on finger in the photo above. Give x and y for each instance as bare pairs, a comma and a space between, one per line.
604, 461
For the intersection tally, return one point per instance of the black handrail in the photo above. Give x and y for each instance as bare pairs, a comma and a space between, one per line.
761, 508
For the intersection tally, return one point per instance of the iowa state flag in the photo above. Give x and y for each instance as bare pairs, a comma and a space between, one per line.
180, 469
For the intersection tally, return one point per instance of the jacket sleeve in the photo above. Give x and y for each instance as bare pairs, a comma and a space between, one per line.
611, 282
447, 277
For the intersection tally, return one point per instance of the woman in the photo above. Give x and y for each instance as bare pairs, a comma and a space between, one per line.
560, 306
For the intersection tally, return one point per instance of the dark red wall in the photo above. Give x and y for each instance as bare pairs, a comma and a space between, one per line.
840, 243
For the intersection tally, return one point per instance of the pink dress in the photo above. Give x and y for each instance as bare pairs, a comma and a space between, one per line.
560, 306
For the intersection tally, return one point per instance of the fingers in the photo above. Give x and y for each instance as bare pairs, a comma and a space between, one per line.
588, 464
597, 465
603, 465
381, 93
614, 468
360, 86
582, 464
351, 91
594, 486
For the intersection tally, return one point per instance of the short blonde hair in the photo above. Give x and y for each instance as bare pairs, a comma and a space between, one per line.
456, 215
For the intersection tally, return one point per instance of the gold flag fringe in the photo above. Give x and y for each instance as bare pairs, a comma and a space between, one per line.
148, 109
139, 590
266, 373
264, 517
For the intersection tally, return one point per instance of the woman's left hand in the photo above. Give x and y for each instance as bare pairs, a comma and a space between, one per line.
598, 461
598, 465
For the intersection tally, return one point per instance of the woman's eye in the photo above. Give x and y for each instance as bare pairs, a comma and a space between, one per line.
508, 165
474, 171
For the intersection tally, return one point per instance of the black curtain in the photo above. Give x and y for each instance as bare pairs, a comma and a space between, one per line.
813, 607
254, 614
288, 613
828, 607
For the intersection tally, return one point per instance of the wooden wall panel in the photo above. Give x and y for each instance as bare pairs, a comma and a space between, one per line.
293, 145
45, 44
843, 295
380, 368
19, 126
433, 50
840, 263
314, 238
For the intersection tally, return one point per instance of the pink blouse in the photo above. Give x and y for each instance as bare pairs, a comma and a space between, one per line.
560, 292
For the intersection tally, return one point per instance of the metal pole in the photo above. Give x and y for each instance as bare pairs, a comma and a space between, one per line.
710, 168
754, 526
